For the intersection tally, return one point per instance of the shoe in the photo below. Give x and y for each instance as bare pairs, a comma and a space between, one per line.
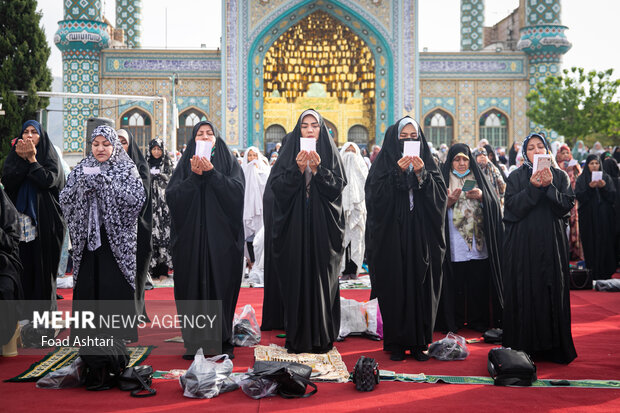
419, 354
59, 297
148, 286
398, 355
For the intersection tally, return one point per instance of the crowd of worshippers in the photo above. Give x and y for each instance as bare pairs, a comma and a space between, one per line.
452, 238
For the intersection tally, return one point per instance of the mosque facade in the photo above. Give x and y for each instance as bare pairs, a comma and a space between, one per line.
356, 61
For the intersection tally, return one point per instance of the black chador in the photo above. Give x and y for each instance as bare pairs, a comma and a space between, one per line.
207, 234
597, 217
405, 242
307, 232
33, 188
536, 272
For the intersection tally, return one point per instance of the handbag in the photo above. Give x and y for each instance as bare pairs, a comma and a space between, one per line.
580, 279
365, 374
493, 336
510, 367
104, 364
292, 378
137, 379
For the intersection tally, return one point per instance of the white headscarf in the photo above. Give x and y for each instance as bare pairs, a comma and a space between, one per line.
256, 173
312, 113
406, 121
354, 203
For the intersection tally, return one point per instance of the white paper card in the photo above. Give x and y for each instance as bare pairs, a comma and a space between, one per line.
307, 144
411, 148
597, 175
155, 171
572, 162
541, 161
203, 149
91, 170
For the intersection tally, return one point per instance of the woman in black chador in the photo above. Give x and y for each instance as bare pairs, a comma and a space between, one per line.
472, 278
536, 273
101, 201
33, 178
307, 230
206, 208
597, 219
405, 241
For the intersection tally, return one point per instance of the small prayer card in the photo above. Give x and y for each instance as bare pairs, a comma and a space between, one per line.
412, 148
203, 149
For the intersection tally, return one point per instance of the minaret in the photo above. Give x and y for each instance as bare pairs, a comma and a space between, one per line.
80, 37
543, 39
128, 19
472, 22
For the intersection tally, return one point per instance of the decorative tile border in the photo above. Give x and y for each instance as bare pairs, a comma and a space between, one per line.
473, 66
161, 64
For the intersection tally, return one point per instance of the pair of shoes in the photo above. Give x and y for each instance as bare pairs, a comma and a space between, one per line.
419, 353
397, 355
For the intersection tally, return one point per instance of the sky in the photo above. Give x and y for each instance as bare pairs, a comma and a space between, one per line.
592, 27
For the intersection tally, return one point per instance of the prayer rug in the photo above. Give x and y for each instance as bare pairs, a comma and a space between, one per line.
423, 378
325, 367
63, 356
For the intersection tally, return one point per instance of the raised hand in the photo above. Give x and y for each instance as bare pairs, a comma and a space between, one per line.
404, 162
453, 196
302, 160
536, 179
475, 193
205, 164
195, 165
418, 163
314, 161
546, 177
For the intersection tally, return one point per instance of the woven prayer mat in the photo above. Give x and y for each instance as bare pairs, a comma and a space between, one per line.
423, 378
64, 356
325, 367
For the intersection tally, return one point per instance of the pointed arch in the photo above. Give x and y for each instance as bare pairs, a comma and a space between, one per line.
494, 127
380, 49
439, 127
187, 119
137, 121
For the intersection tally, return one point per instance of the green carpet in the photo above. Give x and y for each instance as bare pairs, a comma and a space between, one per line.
423, 378
64, 356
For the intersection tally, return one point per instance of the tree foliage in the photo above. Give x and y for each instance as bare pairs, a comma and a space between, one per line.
23, 66
578, 105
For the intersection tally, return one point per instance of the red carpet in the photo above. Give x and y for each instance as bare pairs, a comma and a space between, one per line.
596, 331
